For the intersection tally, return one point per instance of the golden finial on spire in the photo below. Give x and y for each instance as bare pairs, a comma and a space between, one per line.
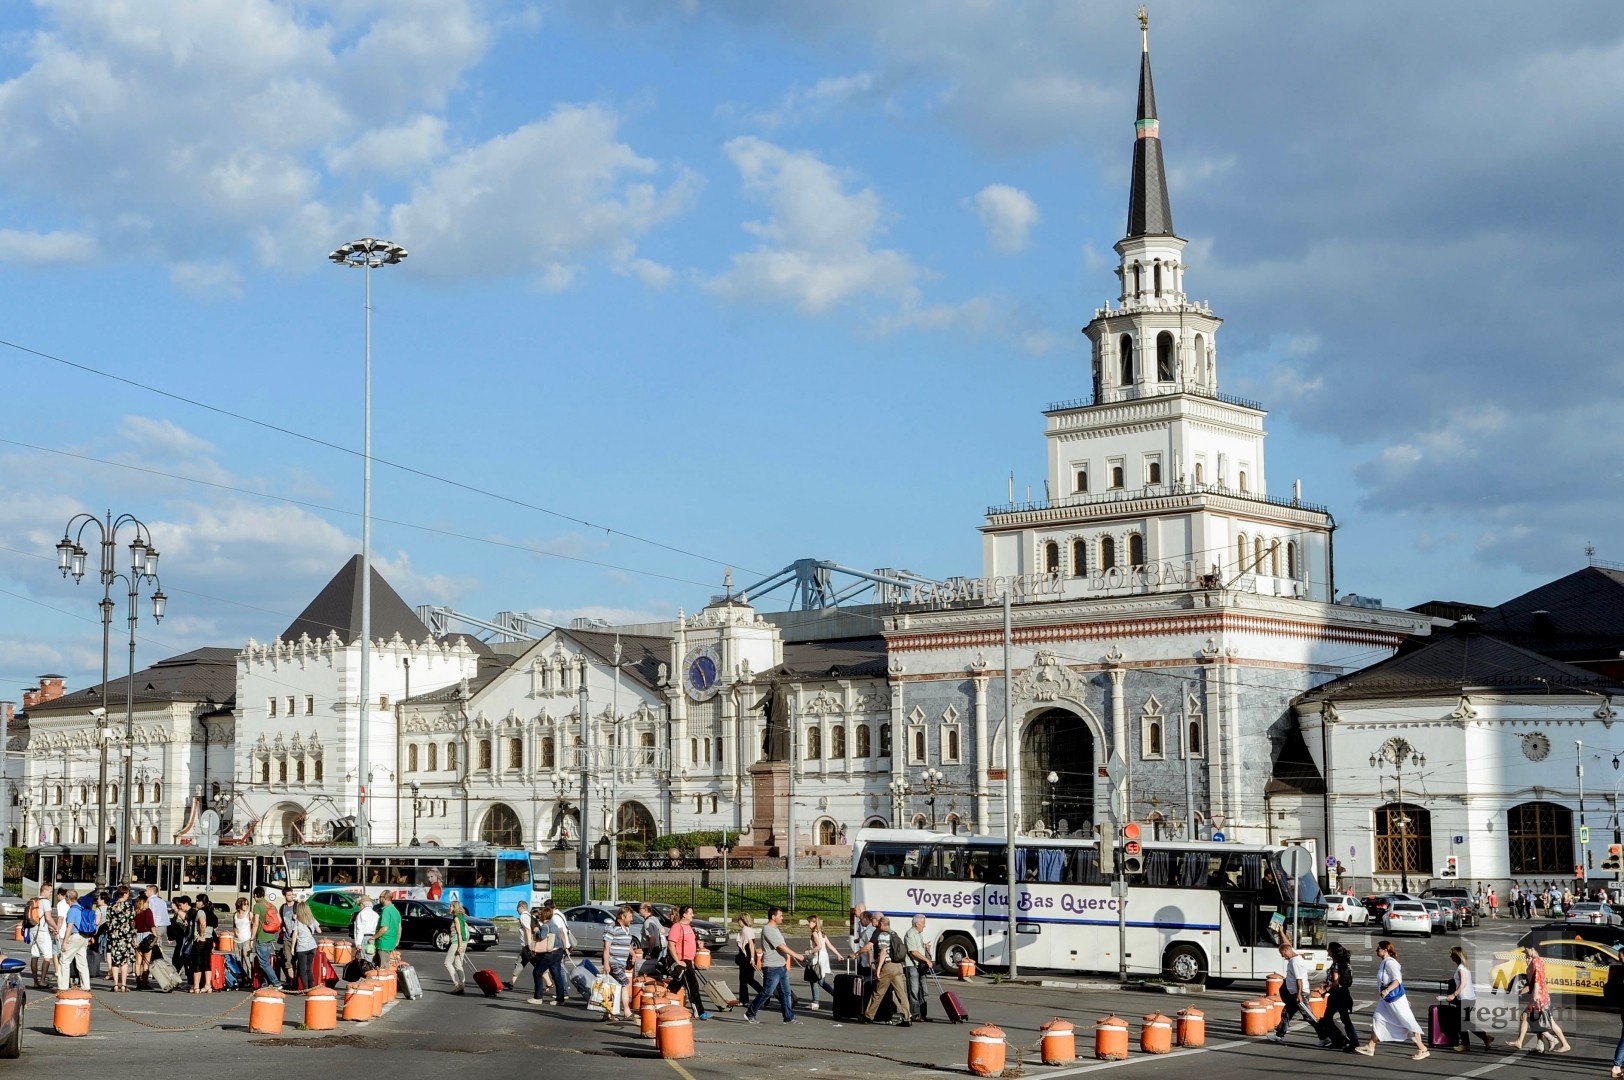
1144, 28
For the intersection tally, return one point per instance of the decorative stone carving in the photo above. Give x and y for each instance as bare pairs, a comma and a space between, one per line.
1465, 710
1048, 680
823, 704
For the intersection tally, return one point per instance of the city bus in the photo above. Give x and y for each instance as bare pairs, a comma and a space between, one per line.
223, 874
1199, 911
490, 881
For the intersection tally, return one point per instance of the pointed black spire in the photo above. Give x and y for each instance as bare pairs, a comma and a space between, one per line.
1149, 212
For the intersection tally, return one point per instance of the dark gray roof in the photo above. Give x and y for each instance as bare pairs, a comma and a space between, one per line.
1294, 769
338, 608
203, 676
640, 657
1579, 617
490, 666
1149, 211
846, 658
1456, 660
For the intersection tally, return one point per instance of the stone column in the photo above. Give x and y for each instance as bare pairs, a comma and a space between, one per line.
978, 681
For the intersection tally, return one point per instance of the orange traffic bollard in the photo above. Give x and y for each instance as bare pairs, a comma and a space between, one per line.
1059, 1043
343, 952
987, 1051
326, 947
266, 1010
701, 959
1272, 984
649, 1016
358, 1001
1192, 1027
1316, 1003
676, 1032
225, 941
1111, 1038
967, 969
389, 983
1156, 1034
321, 1009
1277, 1009
1255, 1017
72, 1014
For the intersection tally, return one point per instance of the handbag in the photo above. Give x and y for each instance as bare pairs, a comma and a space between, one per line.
1539, 1021
1394, 994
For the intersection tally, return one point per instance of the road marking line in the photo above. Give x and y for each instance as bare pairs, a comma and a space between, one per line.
684, 1073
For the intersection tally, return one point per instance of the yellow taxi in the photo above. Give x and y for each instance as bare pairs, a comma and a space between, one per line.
1572, 966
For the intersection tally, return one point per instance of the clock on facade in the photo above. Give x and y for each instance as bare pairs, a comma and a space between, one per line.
1536, 747
701, 670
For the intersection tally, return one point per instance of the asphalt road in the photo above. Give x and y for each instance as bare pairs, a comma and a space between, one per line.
475, 1037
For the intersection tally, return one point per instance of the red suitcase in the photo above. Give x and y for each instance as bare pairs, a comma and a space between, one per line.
217, 970
488, 981
1440, 1031
951, 1005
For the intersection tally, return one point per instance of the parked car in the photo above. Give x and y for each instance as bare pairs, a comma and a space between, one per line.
1594, 913
712, 935
334, 910
13, 1001
1572, 966
11, 905
1345, 911
1442, 918
586, 925
427, 923
1407, 917
1460, 897
1377, 906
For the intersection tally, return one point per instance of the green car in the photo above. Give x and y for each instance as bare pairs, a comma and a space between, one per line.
334, 910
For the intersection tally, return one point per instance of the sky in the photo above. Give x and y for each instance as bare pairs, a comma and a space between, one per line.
722, 284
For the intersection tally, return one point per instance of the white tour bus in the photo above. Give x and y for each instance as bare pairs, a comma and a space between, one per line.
1198, 911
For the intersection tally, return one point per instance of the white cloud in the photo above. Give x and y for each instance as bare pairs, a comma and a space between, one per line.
548, 195
207, 278
1008, 215
818, 247
391, 150
801, 104
41, 249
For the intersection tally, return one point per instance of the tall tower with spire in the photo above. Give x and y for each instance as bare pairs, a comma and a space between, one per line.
1156, 480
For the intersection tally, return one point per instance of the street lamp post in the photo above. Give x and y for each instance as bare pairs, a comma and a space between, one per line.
899, 799
71, 556
932, 778
1054, 811
366, 254
419, 804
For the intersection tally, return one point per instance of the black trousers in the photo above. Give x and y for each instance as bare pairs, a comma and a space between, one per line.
1339, 1007
749, 981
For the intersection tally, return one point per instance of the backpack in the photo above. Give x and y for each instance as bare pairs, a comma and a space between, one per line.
83, 919
31, 913
271, 921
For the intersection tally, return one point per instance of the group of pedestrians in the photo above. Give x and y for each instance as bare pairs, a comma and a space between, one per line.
1548, 900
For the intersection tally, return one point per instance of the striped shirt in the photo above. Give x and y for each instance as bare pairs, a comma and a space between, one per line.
619, 941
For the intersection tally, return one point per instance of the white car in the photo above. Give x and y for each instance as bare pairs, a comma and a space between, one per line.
1407, 917
1345, 911
1594, 913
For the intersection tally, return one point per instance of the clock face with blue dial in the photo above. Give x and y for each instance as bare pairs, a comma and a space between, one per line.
701, 672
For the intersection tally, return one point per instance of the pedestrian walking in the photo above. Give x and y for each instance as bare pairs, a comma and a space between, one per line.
775, 959
96, 941
1457, 1005
1338, 988
547, 951
1292, 992
364, 926
1537, 1019
40, 929
242, 929
1494, 904
78, 923
387, 939
1392, 1020
684, 946
200, 947
267, 929
120, 931
456, 954
888, 954
916, 965
652, 940
527, 946
146, 940
748, 958
818, 958
617, 956
862, 943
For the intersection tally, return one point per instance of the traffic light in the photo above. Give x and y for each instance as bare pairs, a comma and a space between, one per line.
1133, 854
1612, 862
1107, 850
1451, 867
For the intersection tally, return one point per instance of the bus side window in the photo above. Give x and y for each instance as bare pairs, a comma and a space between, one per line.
988, 865
948, 863
1085, 869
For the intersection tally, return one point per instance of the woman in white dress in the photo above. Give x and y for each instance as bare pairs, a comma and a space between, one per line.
1392, 1021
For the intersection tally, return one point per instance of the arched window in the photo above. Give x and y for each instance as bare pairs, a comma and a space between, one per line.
56, 836
515, 754
1257, 554
1107, 553
434, 757
141, 792
79, 836
699, 804
1157, 277
716, 802
282, 771
828, 835
1403, 839
1240, 553
1079, 558
814, 744
157, 792
451, 756
112, 792
484, 754
84, 795
634, 822
1540, 838
1274, 557
1200, 473
1136, 550
1116, 476
298, 770
837, 742
1051, 557
693, 751
864, 747
500, 826
885, 740
1125, 360
1164, 351
318, 770
646, 742
1291, 559
1153, 472
58, 798
1080, 480
1241, 479
549, 755
707, 751
1138, 280
1192, 739
411, 758
1200, 351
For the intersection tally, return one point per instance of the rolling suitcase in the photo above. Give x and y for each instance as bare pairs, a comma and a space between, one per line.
236, 977
217, 971
489, 982
1435, 1024
848, 996
410, 984
163, 975
718, 991
951, 1005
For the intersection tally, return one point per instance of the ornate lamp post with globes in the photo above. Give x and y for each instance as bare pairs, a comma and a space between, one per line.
71, 557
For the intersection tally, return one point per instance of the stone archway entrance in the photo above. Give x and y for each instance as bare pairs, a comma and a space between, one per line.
1060, 743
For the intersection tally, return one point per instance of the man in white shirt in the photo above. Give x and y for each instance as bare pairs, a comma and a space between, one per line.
1292, 992
366, 924
160, 913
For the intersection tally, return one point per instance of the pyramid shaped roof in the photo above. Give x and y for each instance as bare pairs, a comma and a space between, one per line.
337, 608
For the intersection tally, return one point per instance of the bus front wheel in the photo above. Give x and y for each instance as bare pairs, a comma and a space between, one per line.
1185, 964
952, 950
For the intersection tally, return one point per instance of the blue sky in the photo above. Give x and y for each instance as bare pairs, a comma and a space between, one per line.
758, 281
